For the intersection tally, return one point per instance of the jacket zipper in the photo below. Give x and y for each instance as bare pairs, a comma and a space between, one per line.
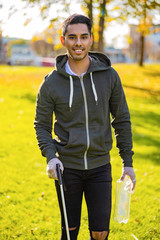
87, 126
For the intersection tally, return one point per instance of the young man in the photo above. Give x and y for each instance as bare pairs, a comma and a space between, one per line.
82, 92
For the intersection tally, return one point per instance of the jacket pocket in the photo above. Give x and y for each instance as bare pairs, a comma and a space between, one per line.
77, 139
76, 143
97, 141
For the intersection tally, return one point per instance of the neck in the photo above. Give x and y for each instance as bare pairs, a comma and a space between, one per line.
79, 67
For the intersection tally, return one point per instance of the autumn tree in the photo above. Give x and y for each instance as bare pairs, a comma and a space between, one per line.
97, 12
102, 14
0, 41
0, 36
46, 43
89, 7
143, 11
43, 43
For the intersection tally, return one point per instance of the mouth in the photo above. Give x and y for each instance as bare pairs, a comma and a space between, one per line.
78, 51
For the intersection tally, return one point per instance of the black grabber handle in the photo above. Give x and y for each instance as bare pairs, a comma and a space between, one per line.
59, 174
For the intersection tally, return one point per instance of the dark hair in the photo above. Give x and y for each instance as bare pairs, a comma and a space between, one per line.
75, 19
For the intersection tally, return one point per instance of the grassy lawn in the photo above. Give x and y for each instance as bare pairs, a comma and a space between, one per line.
28, 202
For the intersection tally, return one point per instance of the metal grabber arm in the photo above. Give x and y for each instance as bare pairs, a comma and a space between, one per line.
63, 200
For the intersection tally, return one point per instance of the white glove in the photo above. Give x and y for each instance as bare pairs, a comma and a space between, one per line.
128, 171
51, 168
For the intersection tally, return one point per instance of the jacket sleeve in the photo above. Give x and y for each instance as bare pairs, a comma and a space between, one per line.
121, 121
43, 122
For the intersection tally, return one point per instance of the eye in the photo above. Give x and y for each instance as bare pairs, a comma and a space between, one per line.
71, 37
84, 37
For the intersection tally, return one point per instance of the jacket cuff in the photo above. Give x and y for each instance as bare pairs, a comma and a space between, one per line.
49, 154
127, 159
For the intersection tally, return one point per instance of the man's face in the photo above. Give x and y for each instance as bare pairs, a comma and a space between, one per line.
77, 41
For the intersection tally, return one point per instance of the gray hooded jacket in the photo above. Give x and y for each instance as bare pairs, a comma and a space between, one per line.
83, 108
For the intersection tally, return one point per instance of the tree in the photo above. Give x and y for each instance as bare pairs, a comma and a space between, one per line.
44, 7
0, 36
46, 43
143, 11
102, 14
88, 6
98, 13
99, 7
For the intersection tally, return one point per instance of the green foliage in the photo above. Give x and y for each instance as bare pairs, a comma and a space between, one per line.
28, 201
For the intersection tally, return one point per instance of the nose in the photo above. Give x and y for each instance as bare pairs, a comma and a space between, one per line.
78, 42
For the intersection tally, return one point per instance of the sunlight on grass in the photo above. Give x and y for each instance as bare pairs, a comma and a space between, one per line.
28, 201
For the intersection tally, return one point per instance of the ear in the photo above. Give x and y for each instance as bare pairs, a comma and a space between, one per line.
62, 41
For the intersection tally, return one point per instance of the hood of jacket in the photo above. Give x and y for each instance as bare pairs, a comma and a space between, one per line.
100, 62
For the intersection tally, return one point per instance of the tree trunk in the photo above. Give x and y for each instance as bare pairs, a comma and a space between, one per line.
90, 15
0, 40
143, 33
101, 25
142, 50
90, 10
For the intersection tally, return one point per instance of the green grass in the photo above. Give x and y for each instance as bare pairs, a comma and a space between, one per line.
28, 202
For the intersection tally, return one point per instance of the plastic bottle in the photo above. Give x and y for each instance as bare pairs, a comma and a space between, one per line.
122, 200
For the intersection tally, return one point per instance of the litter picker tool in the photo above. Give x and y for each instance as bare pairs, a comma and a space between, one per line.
63, 200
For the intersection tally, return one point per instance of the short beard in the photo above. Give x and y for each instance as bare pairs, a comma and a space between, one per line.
77, 58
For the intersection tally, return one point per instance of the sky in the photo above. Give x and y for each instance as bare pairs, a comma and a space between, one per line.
13, 26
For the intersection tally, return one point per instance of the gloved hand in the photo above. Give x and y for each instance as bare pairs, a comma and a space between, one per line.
128, 171
51, 168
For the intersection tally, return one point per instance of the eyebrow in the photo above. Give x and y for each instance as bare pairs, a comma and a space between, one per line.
73, 35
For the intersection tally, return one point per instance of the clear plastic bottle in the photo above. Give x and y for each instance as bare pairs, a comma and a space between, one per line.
122, 200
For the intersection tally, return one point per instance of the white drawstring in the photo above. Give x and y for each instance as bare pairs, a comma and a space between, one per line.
94, 88
71, 92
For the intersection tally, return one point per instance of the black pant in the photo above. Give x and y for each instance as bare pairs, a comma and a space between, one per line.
96, 184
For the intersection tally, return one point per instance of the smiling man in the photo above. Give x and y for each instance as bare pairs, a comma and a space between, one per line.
77, 41
83, 91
